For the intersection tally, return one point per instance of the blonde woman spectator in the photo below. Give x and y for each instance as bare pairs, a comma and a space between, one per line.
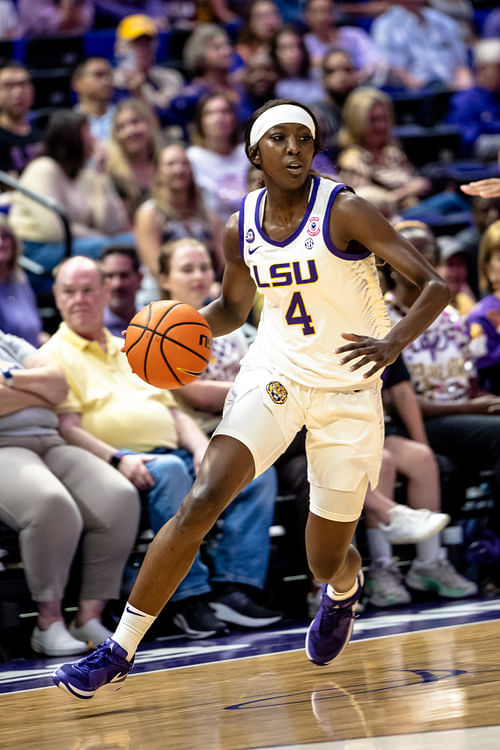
483, 320
175, 210
370, 154
132, 153
94, 209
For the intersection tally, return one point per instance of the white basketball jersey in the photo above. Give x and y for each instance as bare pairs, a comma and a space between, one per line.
313, 292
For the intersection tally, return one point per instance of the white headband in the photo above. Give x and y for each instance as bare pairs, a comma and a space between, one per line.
277, 116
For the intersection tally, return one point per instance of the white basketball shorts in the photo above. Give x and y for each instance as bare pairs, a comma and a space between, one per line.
345, 434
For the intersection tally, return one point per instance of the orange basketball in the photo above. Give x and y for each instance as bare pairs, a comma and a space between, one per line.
168, 344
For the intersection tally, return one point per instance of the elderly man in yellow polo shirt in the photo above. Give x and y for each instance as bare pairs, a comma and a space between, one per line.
142, 432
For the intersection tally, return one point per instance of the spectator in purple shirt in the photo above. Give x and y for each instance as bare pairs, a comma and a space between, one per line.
477, 110
18, 308
55, 17
491, 26
483, 321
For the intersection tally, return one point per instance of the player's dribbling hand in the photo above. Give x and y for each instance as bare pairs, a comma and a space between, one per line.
364, 350
133, 466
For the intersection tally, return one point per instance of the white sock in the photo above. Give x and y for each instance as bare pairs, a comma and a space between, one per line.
379, 549
338, 596
428, 550
132, 628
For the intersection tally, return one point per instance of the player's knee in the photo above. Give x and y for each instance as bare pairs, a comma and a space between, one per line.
325, 566
199, 511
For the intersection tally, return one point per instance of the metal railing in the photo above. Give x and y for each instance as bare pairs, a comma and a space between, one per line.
51, 205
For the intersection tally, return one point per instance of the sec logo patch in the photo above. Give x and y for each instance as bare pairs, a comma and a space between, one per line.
277, 392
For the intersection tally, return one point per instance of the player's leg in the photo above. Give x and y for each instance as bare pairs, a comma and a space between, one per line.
247, 441
226, 468
336, 563
344, 447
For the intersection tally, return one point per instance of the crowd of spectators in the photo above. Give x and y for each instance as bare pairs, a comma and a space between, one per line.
148, 154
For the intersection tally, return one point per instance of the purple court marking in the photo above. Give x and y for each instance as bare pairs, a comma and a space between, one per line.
174, 652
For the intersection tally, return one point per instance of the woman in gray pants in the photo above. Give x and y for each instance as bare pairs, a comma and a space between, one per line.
53, 494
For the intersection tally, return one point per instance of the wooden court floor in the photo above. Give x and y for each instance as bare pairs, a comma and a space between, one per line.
417, 690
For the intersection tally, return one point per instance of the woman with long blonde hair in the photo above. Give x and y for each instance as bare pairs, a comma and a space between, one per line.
370, 154
133, 152
483, 320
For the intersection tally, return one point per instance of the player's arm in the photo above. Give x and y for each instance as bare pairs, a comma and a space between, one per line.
231, 309
355, 219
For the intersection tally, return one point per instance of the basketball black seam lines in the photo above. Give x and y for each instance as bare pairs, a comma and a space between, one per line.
164, 336
154, 331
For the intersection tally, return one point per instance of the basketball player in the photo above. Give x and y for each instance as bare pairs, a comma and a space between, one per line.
308, 244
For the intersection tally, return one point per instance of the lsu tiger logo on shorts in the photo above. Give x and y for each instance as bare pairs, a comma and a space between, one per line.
277, 392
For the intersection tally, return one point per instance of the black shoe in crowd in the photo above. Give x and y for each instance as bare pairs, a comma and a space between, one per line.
196, 619
233, 606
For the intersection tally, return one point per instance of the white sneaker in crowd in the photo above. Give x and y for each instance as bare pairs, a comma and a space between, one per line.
384, 586
93, 632
408, 525
56, 641
441, 577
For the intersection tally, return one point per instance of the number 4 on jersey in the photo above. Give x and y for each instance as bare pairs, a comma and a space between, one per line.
297, 315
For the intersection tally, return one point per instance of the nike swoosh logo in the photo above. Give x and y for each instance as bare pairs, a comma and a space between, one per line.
190, 372
119, 677
127, 609
251, 250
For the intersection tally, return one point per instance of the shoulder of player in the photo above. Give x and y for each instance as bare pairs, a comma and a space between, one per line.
347, 204
349, 217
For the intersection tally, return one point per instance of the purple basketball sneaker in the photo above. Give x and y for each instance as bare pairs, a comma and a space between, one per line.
331, 629
107, 665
